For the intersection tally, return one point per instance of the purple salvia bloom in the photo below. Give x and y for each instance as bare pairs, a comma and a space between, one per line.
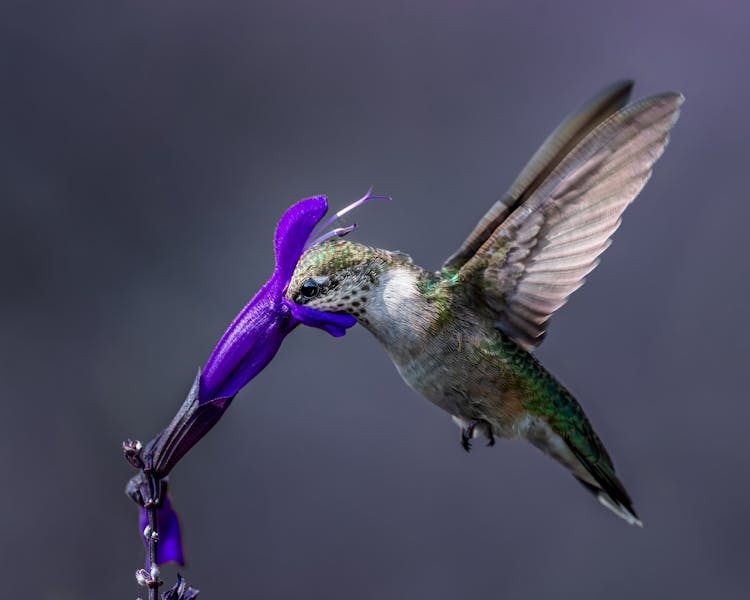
248, 345
255, 336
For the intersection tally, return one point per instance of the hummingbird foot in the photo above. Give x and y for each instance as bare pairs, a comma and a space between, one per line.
467, 433
490, 436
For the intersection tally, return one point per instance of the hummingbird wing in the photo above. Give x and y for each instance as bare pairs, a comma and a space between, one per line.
541, 252
556, 147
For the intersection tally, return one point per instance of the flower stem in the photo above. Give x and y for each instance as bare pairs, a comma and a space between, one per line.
153, 539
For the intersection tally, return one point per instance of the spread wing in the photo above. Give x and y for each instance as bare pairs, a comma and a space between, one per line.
542, 248
556, 147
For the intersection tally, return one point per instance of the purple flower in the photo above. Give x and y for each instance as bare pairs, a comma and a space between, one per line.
254, 337
247, 346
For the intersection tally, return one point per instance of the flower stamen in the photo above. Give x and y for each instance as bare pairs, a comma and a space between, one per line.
341, 231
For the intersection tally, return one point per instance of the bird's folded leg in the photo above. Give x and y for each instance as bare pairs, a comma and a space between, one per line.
490, 435
468, 431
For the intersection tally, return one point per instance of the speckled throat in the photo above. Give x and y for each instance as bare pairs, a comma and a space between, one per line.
409, 310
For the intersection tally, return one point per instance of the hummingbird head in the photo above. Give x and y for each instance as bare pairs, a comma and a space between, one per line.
339, 276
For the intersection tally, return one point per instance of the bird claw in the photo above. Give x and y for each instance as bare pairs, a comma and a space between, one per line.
490, 437
466, 439
468, 432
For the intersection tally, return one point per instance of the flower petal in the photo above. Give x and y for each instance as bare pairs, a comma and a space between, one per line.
334, 323
248, 345
255, 335
168, 528
294, 230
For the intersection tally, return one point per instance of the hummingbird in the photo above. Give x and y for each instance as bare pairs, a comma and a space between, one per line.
463, 336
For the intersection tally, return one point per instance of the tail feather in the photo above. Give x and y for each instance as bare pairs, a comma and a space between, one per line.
609, 490
624, 511
596, 473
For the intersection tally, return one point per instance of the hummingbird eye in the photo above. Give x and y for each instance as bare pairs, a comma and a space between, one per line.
309, 289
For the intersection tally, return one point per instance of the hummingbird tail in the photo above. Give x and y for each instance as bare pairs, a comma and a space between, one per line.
597, 476
608, 489
624, 512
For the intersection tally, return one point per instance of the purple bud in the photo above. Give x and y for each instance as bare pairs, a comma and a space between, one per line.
131, 449
180, 591
143, 577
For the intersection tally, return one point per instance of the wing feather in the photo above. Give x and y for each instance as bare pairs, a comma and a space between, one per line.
570, 132
538, 254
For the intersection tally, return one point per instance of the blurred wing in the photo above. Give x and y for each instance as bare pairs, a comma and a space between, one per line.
540, 254
555, 148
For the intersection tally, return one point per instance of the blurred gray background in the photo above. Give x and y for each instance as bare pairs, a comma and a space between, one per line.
148, 150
